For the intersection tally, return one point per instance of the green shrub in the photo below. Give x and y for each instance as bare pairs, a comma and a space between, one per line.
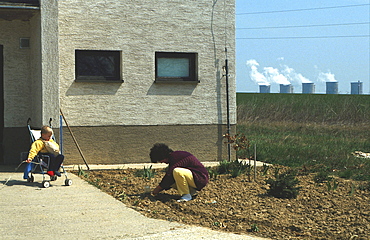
224, 167
234, 168
284, 185
212, 172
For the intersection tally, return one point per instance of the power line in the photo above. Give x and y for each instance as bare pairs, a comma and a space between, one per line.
304, 9
304, 26
266, 38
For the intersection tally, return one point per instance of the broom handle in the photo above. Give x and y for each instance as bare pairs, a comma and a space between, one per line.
74, 139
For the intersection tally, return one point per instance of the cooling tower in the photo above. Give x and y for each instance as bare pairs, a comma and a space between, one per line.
264, 88
286, 88
356, 87
331, 87
308, 88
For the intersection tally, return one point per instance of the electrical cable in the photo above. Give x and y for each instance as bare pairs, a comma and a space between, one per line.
304, 9
309, 37
303, 26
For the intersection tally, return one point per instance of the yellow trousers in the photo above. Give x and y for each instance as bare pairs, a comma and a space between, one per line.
184, 180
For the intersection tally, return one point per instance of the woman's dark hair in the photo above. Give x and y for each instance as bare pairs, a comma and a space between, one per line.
159, 152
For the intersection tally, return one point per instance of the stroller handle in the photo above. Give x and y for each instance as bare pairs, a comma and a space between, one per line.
29, 120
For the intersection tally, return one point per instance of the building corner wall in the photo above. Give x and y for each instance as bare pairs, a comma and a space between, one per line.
50, 62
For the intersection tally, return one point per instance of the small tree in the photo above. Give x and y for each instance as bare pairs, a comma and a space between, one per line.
239, 143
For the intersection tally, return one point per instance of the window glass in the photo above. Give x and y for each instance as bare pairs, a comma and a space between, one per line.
173, 67
97, 65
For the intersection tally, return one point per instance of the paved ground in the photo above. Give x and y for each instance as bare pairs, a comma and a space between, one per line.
80, 211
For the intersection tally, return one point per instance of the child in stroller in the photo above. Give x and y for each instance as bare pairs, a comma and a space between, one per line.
47, 146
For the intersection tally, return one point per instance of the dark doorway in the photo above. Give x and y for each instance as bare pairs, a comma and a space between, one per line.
1, 104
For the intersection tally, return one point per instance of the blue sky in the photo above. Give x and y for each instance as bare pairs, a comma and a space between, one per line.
295, 41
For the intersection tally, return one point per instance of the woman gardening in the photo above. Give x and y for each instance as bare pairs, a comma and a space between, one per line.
185, 172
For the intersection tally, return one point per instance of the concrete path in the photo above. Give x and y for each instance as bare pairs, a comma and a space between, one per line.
80, 211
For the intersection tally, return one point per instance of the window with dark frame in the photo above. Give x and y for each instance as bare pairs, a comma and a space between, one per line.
98, 65
173, 66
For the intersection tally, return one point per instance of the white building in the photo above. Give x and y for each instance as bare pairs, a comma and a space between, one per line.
126, 74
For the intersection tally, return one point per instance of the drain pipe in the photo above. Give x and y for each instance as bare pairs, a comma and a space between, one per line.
19, 7
227, 104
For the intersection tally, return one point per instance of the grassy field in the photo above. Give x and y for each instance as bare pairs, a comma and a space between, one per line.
317, 131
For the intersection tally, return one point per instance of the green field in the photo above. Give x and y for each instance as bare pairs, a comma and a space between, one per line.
317, 131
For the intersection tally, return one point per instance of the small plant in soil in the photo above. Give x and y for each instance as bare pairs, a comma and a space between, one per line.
265, 169
321, 177
212, 172
254, 228
234, 168
332, 185
82, 173
284, 185
146, 173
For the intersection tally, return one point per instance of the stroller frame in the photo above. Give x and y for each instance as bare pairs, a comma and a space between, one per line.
40, 163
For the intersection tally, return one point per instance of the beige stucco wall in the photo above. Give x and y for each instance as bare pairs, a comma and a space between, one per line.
138, 29
17, 77
49, 61
22, 84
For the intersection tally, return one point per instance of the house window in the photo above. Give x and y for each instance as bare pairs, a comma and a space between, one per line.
171, 66
95, 65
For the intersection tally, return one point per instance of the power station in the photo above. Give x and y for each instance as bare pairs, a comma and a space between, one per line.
309, 88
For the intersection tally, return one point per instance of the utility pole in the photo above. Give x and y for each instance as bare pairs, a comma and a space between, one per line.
227, 105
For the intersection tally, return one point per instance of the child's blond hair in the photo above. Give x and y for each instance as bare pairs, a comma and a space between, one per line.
46, 129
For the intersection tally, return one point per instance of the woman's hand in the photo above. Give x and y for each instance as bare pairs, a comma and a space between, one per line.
157, 190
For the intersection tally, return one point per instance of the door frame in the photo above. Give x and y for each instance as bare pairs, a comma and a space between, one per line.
1, 103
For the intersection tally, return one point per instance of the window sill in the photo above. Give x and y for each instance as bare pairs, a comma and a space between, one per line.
176, 81
98, 81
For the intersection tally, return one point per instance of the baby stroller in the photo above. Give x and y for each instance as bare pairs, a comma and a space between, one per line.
41, 162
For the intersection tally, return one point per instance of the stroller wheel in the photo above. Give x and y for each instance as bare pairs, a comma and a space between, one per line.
46, 184
68, 182
30, 179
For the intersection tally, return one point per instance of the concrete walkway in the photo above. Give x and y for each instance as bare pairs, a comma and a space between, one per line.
81, 211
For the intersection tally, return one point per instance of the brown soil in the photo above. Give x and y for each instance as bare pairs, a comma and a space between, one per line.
242, 206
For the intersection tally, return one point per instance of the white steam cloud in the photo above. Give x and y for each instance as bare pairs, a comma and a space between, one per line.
255, 75
326, 77
293, 76
271, 75
275, 76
